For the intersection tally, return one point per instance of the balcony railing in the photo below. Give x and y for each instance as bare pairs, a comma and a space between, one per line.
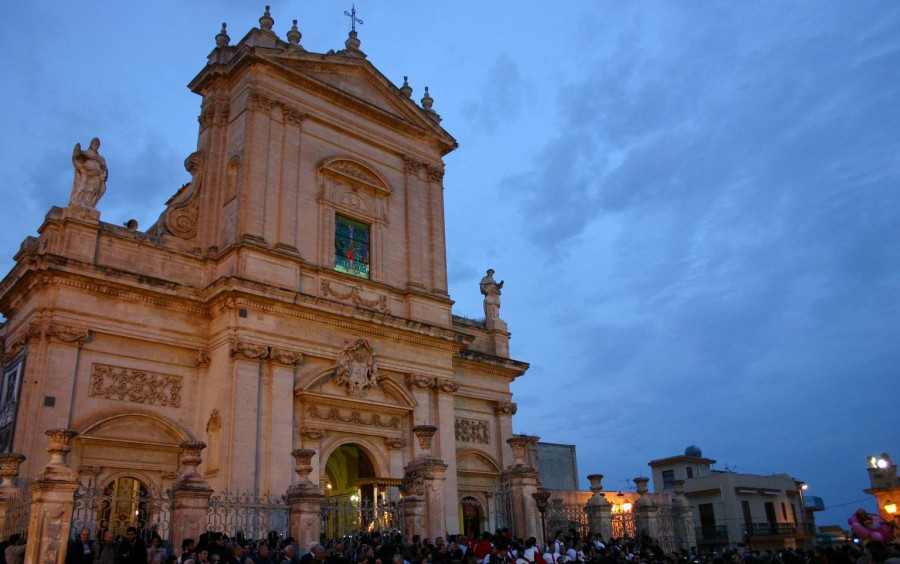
773, 529
712, 532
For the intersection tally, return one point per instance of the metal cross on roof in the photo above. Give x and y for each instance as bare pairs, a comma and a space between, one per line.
353, 19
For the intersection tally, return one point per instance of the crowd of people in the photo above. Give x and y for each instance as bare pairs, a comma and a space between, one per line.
501, 547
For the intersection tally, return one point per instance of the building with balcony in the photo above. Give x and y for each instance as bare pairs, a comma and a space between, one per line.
731, 508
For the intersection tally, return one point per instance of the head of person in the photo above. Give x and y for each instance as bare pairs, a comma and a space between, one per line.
84, 535
130, 534
108, 537
187, 545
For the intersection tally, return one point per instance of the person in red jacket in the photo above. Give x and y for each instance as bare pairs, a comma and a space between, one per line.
483, 547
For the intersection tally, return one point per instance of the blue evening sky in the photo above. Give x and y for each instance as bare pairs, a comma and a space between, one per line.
694, 205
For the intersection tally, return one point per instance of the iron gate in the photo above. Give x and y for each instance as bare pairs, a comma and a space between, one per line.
246, 516
623, 525
121, 504
565, 516
503, 514
666, 524
348, 519
18, 509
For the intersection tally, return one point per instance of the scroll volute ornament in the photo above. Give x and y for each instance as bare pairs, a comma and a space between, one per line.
9, 468
181, 217
424, 434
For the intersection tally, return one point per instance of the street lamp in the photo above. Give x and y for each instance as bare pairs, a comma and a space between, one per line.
542, 499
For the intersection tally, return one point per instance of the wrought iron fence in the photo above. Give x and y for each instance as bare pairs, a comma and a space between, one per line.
623, 525
122, 504
246, 516
668, 541
18, 509
562, 517
349, 519
503, 506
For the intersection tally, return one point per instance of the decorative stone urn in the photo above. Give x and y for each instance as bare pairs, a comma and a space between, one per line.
518, 444
9, 468
57, 467
424, 434
303, 465
596, 483
190, 458
641, 484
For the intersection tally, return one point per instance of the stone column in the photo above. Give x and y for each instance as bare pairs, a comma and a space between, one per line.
191, 493
684, 518
9, 470
423, 487
646, 512
52, 503
524, 482
305, 500
599, 509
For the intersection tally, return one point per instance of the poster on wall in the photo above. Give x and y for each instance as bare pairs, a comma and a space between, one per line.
9, 401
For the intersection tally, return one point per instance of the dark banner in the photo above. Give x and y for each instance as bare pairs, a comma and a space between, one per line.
9, 402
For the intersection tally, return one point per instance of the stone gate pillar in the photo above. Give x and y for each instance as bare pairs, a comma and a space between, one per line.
646, 512
685, 533
191, 493
305, 500
599, 509
9, 470
52, 503
524, 482
424, 497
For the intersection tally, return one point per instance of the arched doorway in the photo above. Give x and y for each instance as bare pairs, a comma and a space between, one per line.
472, 515
356, 498
343, 471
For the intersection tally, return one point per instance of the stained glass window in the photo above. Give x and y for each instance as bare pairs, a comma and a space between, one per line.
351, 247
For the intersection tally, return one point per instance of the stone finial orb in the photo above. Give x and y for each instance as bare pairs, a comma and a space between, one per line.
427, 100
424, 434
294, 35
222, 38
266, 21
406, 89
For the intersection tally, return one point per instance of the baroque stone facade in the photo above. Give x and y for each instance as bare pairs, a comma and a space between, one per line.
291, 298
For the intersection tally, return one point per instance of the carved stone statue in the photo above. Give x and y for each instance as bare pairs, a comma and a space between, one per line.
491, 290
90, 175
356, 367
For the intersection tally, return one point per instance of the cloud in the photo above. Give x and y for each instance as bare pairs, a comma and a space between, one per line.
504, 94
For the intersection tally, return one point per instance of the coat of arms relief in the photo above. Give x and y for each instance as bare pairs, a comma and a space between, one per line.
356, 367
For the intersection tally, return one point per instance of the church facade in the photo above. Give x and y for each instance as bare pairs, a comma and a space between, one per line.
292, 297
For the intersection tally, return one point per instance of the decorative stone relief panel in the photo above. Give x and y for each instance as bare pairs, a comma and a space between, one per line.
472, 431
138, 386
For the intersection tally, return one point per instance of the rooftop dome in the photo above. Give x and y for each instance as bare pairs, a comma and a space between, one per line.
693, 450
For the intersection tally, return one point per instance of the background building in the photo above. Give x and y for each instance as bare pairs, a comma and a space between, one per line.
731, 508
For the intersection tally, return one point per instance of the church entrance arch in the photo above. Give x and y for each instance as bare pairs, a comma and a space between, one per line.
472, 516
357, 499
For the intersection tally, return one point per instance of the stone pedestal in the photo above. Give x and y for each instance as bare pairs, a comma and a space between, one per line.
424, 489
305, 500
52, 503
685, 534
191, 493
646, 512
599, 509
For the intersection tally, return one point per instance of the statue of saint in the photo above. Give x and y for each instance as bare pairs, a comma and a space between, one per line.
90, 175
491, 290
